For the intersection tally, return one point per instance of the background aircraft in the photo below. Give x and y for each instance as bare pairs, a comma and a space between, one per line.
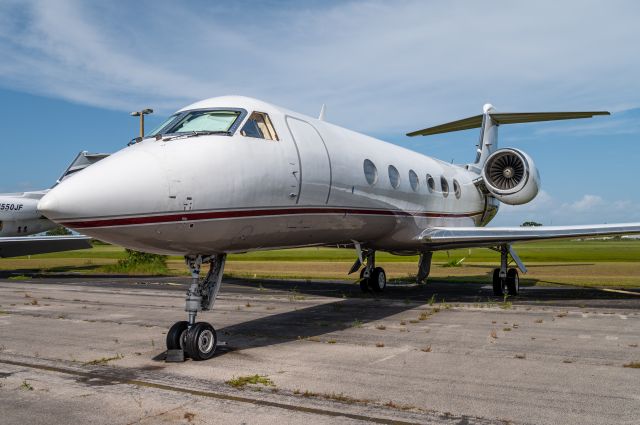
234, 174
19, 217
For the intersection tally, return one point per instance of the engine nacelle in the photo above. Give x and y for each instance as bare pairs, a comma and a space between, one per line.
511, 176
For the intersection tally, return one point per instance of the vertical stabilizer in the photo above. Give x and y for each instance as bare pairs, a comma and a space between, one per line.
488, 142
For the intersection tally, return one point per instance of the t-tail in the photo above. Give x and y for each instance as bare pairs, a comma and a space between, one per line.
507, 174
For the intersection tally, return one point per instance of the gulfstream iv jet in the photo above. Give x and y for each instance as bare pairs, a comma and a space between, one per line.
234, 174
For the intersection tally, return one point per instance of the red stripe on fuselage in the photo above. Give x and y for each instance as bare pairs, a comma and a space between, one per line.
213, 215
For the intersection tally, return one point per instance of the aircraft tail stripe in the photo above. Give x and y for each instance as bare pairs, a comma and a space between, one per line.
212, 215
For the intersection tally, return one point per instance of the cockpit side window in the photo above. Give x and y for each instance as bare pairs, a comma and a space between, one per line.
259, 126
158, 130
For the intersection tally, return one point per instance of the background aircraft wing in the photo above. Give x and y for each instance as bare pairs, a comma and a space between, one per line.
26, 245
467, 237
80, 162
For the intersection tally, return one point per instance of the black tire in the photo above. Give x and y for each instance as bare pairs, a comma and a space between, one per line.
364, 283
201, 341
378, 280
513, 282
175, 336
498, 287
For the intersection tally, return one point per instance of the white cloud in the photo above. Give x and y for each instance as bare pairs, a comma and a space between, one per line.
380, 66
586, 203
589, 209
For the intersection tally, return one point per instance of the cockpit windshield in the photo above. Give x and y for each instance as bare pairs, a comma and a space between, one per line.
164, 124
202, 121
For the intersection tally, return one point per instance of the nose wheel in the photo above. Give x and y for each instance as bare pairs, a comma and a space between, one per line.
200, 341
176, 335
188, 338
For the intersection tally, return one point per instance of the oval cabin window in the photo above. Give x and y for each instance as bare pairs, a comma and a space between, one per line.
456, 189
394, 177
370, 172
413, 179
431, 183
445, 186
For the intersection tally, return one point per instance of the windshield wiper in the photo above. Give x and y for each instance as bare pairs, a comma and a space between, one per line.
207, 132
193, 134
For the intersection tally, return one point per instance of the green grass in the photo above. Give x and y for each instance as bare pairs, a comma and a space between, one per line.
103, 360
592, 262
548, 251
242, 381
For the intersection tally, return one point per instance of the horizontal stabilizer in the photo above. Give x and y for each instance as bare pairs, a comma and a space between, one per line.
504, 118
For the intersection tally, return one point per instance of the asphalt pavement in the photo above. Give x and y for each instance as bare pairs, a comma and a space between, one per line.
91, 350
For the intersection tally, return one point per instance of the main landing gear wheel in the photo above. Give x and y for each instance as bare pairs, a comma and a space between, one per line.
176, 335
201, 341
378, 280
364, 283
513, 282
507, 286
498, 284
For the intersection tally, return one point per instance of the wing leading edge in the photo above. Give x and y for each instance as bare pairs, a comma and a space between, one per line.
467, 237
27, 245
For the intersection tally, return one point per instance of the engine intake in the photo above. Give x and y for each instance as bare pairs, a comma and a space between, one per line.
511, 176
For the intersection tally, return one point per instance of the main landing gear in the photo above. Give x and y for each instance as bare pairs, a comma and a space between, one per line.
198, 340
506, 281
372, 278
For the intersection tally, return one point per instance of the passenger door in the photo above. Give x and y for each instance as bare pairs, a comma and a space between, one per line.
315, 164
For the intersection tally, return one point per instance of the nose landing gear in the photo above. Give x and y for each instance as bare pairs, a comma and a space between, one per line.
198, 340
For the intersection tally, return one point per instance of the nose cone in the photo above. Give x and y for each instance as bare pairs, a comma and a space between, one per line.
128, 182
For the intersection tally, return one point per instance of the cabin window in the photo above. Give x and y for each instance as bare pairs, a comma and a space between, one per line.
431, 183
456, 189
394, 177
413, 180
445, 186
370, 172
259, 126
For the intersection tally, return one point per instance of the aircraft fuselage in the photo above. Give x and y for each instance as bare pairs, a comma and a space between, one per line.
219, 193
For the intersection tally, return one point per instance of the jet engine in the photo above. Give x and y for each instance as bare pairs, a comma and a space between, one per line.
511, 176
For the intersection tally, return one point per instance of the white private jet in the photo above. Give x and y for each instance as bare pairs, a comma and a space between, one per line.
234, 174
19, 217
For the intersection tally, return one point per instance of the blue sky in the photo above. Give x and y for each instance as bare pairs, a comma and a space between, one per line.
71, 71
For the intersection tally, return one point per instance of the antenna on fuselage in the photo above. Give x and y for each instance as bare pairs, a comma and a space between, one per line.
322, 112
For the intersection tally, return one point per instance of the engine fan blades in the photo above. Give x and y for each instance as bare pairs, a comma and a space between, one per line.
506, 171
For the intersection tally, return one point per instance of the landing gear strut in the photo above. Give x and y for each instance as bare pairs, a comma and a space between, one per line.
198, 340
372, 278
506, 281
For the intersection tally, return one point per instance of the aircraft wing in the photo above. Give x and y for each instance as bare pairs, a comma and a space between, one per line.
27, 245
467, 237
